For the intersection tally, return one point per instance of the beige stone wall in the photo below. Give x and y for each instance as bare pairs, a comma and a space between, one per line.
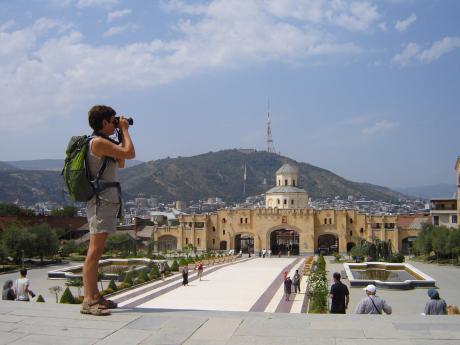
293, 200
348, 226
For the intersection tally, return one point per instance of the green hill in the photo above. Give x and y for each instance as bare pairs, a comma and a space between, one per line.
220, 174
214, 174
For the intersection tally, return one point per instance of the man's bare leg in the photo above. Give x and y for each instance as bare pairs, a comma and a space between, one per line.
91, 266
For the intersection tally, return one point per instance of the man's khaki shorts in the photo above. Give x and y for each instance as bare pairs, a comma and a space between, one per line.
102, 217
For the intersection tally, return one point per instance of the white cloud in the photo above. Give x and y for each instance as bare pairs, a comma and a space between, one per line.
413, 52
116, 30
439, 48
97, 3
379, 127
405, 57
382, 26
53, 70
402, 25
118, 14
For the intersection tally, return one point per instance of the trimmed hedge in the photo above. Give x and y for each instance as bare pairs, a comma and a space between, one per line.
67, 297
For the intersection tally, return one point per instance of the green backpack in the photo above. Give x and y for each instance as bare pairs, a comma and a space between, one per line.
75, 172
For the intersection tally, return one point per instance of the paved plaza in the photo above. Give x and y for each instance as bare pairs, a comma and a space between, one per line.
235, 303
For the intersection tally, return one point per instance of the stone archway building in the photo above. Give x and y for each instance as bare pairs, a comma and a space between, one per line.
208, 231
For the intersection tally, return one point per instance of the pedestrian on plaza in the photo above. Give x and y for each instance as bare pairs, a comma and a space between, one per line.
285, 275
287, 288
372, 304
162, 269
264, 252
279, 253
185, 276
296, 281
339, 295
436, 305
200, 269
269, 253
260, 253
8, 292
21, 287
103, 209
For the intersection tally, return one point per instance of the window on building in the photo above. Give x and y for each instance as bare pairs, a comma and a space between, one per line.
186, 240
285, 201
213, 229
293, 183
454, 219
213, 241
362, 230
351, 220
278, 201
223, 231
325, 220
435, 220
279, 182
246, 220
190, 224
198, 241
223, 220
292, 202
330, 220
351, 233
241, 220
285, 182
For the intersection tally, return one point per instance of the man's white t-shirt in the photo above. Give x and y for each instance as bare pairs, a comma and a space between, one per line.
20, 286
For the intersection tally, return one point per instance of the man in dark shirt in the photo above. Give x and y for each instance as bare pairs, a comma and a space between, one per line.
339, 295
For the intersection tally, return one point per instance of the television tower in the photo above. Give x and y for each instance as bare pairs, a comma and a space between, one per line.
270, 146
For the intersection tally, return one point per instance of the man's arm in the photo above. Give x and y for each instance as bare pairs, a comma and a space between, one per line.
386, 307
360, 308
347, 300
104, 148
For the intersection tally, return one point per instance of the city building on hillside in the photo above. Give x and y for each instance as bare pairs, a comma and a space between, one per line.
291, 227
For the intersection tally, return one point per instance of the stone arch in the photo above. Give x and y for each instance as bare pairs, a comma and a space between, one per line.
350, 245
244, 241
167, 242
294, 248
327, 243
407, 243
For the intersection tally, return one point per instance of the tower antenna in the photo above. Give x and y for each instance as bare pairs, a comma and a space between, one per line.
270, 146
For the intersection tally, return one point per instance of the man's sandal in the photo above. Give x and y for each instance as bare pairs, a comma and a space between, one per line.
94, 308
109, 304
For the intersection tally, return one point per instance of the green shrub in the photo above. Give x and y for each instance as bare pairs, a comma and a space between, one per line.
142, 276
112, 285
155, 272
40, 299
124, 286
167, 269
128, 278
183, 262
397, 258
107, 291
67, 297
175, 266
317, 288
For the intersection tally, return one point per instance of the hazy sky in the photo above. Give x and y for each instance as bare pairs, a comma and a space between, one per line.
367, 89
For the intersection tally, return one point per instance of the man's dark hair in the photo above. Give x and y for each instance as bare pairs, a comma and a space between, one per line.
23, 272
336, 276
97, 114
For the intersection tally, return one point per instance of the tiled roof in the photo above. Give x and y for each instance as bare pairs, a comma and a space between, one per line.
412, 221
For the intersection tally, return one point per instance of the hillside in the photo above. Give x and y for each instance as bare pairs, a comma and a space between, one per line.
214, 174
443, 190
48, 164
220, 174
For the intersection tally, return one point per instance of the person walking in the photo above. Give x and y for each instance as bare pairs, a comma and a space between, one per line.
21, 287
200, 269
269, 253
340, 296
436, 305
162, 268
185, 276
296, 282
264, 252
103, 208
372, 304
8, 291
287, 288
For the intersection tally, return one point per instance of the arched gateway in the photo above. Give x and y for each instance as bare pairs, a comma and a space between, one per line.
244, 243
284, 241
328, 244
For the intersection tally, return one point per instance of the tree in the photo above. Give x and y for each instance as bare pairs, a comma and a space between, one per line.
40, 299
68, 247
66, 211
17, 241
120, 242
45, 241
454, 243
55, 290
9, 210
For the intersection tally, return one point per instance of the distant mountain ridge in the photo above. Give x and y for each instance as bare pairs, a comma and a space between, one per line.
50, 164
213, 174
442, 190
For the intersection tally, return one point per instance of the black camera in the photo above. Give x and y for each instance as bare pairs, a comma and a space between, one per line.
129, 119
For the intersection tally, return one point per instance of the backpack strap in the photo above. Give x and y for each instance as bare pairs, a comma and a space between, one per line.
378, 311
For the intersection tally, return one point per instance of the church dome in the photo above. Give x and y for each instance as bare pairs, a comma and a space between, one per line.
287, 169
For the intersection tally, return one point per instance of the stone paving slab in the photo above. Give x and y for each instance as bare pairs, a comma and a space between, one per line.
51, 323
